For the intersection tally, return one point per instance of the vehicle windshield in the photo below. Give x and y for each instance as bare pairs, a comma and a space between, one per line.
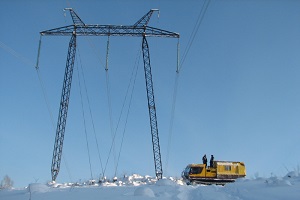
187, 170
196, 170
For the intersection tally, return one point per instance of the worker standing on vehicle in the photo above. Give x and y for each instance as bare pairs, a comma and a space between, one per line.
204, 159
211, 162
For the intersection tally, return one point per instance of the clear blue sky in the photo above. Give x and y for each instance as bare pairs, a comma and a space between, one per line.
238, 94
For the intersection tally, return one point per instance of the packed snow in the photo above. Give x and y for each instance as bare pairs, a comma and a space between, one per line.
146, 187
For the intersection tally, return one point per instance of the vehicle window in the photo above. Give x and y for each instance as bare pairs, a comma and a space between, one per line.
187, 170
227, 167
196, 170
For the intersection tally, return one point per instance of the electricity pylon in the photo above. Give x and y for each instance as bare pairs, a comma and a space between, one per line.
79, 28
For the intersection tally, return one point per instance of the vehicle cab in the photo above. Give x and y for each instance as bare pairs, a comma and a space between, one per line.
196, 171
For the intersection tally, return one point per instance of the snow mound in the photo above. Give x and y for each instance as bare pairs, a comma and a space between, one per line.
165, 182
37, 188
292, 174
144, 191
137, 180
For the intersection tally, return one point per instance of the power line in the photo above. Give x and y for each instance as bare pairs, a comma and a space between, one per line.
28, 62
92, 118
179, 67
172, 118
91, 115
109, 110
195, 30
17, 55
134, 73
84, 121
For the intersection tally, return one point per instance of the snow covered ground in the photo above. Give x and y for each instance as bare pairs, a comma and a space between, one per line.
145, 187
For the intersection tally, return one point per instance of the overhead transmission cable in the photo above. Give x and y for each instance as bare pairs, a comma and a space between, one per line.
109, 104
114, 133
132, 80
31, 64
83, 113
108, 96
171, 125
42, 84
195, 30
17, 55
178, 69
133, 74
108, 100
92, 118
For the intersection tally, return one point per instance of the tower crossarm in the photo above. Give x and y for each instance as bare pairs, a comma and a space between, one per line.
110, 30
76, 19
145, 19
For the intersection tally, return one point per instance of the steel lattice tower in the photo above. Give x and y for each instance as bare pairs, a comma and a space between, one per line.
78, 28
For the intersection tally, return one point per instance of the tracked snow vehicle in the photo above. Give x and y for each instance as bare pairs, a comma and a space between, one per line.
220, 173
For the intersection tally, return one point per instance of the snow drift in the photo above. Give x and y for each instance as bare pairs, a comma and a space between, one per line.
146, 187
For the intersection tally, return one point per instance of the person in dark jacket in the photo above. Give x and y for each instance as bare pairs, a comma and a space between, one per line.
211, 162
204, 159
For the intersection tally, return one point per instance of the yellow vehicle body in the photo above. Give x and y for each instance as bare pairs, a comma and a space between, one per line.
221, 172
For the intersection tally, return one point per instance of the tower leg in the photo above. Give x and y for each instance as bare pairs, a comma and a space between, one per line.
152, 109
63, 109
